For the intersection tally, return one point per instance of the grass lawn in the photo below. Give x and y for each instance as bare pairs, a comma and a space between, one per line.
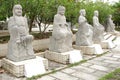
115, 75
5, 39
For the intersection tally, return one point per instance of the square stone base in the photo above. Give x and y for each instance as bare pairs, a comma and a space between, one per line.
17, 68
0, 63
64, 58
114, 33
107, 44
94, 49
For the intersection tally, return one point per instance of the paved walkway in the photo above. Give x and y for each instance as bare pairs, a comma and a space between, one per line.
92, 69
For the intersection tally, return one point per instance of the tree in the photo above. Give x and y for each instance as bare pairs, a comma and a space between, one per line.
116, 14
6, 8
43, 11
104, 10
30, 8
46, 11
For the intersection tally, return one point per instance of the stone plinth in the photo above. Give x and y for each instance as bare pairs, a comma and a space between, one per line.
106, 44
18, 68
94, 49
0, 63
107, 36
115, 33
64, 58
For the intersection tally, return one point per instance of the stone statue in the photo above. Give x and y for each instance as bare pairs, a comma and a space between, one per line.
98, 29
61, 40
110, 24
20, 43
85, 31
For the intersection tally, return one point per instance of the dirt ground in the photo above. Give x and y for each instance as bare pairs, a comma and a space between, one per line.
4, 32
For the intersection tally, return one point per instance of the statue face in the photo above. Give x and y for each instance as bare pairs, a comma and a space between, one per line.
96, 13
84, 13
61, 10
18, 10
110, 16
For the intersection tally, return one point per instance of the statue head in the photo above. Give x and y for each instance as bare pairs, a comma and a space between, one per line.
110, 16
82, 12
96, 13
17, 10
61, 10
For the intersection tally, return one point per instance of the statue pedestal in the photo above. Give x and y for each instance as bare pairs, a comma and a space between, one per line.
64, 58
94, 49
114, 33
106, 44
109, 36
26, 68
117, 33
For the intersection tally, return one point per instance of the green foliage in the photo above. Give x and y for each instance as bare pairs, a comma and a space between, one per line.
45, 10
4, 39
42, 36
77, 63
5, 8
104, 10
116, 14
115, 75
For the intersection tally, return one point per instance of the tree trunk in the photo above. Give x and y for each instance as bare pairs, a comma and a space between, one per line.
31, 22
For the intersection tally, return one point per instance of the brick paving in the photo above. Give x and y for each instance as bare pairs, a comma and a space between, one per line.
90, 70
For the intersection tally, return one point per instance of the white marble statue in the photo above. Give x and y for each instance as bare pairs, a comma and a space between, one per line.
85, 31
20, 43
61, 40
110, 24
98, 29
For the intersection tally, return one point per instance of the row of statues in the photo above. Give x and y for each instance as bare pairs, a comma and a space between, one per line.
20, 43
61, 39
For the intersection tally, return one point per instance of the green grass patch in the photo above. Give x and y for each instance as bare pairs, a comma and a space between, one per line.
4, 39
98, 55
42, 35
114, 39
117, 29
77, 63
115, 75
39, 76
40, 50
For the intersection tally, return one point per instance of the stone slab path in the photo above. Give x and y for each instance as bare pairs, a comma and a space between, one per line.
90, 70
